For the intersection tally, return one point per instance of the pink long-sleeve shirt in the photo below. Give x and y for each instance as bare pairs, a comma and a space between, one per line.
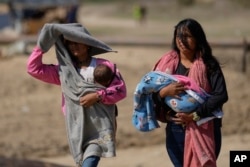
49, 73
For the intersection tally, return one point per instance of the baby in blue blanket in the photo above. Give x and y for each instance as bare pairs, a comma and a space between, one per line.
154, 81
151, 83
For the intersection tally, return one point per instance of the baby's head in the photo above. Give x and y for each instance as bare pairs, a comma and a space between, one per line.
103, 75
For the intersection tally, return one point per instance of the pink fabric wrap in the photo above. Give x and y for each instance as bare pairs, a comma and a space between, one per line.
189, 83
169, 62
199, 149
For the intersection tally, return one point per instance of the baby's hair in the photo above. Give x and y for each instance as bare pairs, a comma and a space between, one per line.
103, 74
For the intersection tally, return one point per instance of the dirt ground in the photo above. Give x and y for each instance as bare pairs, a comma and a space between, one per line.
32, 126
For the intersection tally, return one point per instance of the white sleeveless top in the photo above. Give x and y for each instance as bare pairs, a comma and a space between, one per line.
88, 73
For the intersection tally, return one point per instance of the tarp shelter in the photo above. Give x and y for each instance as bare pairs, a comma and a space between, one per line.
26, 15
40, 4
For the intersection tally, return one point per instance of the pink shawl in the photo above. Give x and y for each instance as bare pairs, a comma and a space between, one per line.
169, 62
199, 150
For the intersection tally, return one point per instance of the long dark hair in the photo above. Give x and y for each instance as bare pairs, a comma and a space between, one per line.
202, 44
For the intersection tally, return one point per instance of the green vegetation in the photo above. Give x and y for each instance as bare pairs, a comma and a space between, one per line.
244, 3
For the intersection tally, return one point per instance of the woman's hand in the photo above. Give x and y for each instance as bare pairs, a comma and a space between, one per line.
173, 89
47, 37
185, 118
181, 118
89, 99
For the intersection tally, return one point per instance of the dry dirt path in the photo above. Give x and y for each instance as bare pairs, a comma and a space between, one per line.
156, 155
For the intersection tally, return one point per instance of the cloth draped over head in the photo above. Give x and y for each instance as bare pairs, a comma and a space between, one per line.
74, 32
91, 131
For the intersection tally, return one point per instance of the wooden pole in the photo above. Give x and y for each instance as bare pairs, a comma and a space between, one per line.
244, 56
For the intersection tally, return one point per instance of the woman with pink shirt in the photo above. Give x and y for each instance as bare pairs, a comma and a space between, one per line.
89, 108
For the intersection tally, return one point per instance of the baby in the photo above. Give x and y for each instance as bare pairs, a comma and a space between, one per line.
103, 75
144, 115
153, 81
